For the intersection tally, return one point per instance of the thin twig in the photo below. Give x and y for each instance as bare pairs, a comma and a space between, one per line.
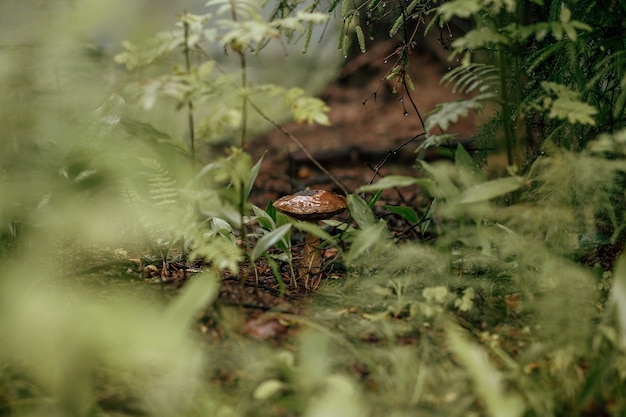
392, 153
301, 146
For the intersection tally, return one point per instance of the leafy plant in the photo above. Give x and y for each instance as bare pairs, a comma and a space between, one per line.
496, 310
200, 88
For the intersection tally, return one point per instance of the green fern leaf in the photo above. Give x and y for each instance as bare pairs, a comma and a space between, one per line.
469, 78
449, 113
161, 186
544, 54
566, 105
479, 38
571, 110
152, 49
459, 8
310, 110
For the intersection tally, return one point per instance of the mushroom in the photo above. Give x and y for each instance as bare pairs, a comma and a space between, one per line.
311, 206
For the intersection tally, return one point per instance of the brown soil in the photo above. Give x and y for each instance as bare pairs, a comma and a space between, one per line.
368, 121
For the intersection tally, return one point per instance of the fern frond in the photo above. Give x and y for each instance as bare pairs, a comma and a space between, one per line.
615, 62
449, 113
471, 78
244, 9
161, 186
480, 38
164, 43
138, 55
567, 105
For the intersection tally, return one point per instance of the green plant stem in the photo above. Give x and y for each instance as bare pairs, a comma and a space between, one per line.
244, 128
191, 124
244, 104
506, 110
239, 49
518, 134
192, 130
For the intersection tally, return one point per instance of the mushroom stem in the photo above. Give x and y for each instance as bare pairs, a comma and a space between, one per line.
312, 260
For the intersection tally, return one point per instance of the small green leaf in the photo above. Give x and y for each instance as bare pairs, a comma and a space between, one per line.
307, 37
271, 210
429, 215
254, 172
459, 8
396, 25
573, 110
345, 8
449, 113
407, 213
491, 189
445, 187
268, 389
361, 38
312, 17
371, 236
375, 198
570, 30
565, 14
390, 181
276, 272
313, 229
345, 43
479, 38
269, 240
264, 219
360, 211
467, 166
282, 218
310, 110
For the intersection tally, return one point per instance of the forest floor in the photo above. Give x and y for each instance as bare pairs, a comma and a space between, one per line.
369, 138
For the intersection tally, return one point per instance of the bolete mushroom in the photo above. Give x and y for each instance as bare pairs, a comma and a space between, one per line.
311, 206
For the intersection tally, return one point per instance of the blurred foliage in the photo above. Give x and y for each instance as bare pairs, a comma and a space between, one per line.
493, 313
553, 69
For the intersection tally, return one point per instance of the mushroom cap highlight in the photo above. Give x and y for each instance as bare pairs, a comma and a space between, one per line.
311, 205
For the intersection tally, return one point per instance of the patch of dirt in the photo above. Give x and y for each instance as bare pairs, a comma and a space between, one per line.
369, 121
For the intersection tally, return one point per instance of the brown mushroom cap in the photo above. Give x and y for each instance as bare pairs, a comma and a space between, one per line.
311, 205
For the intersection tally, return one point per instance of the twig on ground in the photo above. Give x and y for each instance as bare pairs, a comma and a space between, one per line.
302, 148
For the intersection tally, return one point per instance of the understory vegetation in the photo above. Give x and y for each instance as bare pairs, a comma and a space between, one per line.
125, 184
